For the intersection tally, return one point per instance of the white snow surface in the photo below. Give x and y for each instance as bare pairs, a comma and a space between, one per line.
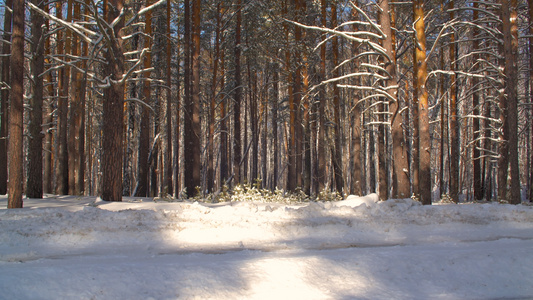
359, 248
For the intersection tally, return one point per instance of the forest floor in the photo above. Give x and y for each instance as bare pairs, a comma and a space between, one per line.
84, 248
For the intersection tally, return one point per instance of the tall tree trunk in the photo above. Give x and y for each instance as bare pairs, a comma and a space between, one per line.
223, 148
196, 125
15, 143
306, 126
443, 121
391, 82
530, 11
192, 113
415, 129
454, 118
476, 153
212, 109
130, 126
143, 169
237, 148
254, 127
423, 113
320, 175
264, 137
82, 91
275, 142
48, 138
113, 110
4, 93
76, 113
62, 113
357, 181
167, 181
298, 129
509, 107
487, 164
177, 132
291, 155
337, 155
400, 176
34, 186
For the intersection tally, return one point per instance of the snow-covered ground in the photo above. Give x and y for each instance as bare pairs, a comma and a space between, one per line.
82, 248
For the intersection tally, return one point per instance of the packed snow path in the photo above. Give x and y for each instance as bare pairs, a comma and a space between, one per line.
70, 248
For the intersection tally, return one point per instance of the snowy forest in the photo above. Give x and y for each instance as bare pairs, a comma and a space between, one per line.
185, 98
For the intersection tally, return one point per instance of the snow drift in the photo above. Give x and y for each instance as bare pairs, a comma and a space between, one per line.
359, 248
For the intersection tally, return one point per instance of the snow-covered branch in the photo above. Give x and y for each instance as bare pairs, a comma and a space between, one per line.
145, 10
81, 31
139, 62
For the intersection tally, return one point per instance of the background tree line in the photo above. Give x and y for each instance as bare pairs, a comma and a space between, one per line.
157, 98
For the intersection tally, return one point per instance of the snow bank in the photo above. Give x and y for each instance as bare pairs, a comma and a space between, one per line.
358, 248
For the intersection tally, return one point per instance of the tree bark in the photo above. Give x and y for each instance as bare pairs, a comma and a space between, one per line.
509, 107
167, 184
530, 11
476, 153
337, 155
62, 114
4, 94
275, 142
223, 148
320, 175
16, 115
196, 126
237, 148
423, 116
34, 186
454, 118
48, 138
113, 110
77, 103
212, 107
400, 175
389, 63
143, 169
192, 113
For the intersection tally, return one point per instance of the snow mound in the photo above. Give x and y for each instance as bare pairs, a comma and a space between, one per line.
355, 201
358, 248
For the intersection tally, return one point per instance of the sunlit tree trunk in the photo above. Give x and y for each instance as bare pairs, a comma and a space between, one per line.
423, 114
